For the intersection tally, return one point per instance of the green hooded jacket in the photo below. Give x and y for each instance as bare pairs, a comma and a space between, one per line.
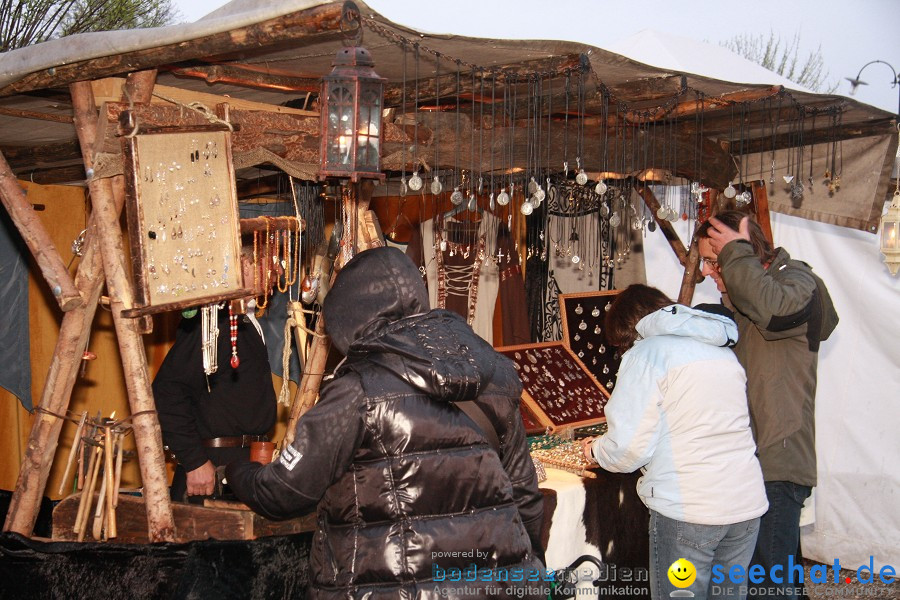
783, 311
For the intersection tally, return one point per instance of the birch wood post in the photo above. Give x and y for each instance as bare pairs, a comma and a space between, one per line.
692, 273
147, 433
73, 335
109, 475
38, 240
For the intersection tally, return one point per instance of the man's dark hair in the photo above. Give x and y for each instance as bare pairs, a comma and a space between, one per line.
631, 305
732, 218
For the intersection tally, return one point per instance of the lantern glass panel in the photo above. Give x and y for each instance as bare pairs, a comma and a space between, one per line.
889, 235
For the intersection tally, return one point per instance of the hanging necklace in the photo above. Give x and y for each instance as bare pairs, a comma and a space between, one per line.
233, 327
209, 337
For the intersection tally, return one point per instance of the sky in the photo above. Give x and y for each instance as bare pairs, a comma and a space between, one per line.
849, 34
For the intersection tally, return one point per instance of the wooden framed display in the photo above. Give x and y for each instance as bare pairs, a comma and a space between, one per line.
583, 332
183, 220
558, 391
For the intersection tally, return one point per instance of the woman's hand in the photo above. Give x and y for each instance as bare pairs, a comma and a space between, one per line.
586, 448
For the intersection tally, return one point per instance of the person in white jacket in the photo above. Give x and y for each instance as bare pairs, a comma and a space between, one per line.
679, 412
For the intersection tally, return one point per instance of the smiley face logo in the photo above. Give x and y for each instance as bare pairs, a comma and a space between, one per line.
682, 573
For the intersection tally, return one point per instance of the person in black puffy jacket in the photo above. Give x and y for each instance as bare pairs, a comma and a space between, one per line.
413, 500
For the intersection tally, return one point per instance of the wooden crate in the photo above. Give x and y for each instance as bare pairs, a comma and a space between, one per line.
583, 332
559, 391
220, 520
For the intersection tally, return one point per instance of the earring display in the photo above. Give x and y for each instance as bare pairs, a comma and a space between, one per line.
558, 390
183, 222
582, 317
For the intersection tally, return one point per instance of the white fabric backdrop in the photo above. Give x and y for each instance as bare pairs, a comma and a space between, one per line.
857, 501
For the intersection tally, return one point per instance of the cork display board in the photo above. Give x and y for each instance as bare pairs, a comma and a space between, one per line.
183, 220
582, 319
558, 391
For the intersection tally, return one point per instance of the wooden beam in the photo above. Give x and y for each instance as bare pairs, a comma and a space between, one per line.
247, 76
45, 155
31, 114
147, 433
692, 275
110, 90
664, 225
823, 135
321, 22
38, 240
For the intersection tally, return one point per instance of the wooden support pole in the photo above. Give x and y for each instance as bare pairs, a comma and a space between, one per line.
147, 433
38, 240
664, 224
311, 380
692, 275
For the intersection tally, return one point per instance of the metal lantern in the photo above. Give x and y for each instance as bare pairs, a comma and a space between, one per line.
351, 102
890, 235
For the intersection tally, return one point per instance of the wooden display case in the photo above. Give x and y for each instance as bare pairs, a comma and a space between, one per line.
583, 332
559, 391
183, 220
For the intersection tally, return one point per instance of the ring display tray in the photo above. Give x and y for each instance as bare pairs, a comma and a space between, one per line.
583, 332
559, 391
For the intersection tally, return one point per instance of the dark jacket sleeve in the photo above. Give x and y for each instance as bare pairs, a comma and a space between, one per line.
325, 442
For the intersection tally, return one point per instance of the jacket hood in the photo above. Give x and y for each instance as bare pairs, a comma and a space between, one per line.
437, 353
703, 326
375, 288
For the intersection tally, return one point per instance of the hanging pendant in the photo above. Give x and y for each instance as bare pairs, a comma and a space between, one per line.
729, 192
582, 326
595, 313
581, 178
436, 187
527, 208
578, 309
415, 182
600, 188
403, 187
502, 197
596, 329
456, 197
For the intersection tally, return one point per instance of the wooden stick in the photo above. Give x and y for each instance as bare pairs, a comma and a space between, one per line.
120, 443
99, 514
73, 452
109, 482
87, 493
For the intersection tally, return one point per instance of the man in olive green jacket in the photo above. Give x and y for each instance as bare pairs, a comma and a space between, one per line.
783, 311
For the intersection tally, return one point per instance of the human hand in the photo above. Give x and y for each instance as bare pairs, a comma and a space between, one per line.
586, 445
202, 480
720, 233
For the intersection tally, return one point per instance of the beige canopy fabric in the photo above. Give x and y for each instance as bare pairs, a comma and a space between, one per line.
297, 39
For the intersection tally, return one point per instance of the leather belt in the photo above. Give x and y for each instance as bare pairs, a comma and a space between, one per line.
234, 441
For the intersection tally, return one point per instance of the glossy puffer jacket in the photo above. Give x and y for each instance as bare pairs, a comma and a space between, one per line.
410, 494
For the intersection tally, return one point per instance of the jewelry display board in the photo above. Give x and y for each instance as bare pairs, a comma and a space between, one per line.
183, 221
558, 389
582, 319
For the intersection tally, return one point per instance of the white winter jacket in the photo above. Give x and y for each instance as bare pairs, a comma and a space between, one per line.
679, 412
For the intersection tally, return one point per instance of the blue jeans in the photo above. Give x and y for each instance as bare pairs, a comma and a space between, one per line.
704, 546
779, 538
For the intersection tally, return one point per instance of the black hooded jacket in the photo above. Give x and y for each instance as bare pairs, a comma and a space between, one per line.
406, 485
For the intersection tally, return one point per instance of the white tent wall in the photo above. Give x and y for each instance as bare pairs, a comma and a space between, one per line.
857, 408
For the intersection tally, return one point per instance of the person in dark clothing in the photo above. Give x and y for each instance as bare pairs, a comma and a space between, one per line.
413, 500
211, 420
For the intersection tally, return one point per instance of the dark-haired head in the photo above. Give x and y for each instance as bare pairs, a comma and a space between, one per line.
631, 305
732, 218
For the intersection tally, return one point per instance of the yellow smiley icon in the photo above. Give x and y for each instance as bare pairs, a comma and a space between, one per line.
682, 573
